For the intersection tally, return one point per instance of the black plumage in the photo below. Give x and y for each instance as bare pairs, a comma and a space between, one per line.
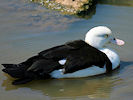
79, 55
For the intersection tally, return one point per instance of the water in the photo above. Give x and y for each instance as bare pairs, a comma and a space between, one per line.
27, 28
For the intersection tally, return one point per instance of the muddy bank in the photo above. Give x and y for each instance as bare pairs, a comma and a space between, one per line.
68, 6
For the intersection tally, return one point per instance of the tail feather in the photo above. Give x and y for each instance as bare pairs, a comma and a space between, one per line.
14, 70
24, 75
20, 71
9, 65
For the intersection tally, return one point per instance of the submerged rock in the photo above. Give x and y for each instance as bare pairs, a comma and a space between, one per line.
68, 6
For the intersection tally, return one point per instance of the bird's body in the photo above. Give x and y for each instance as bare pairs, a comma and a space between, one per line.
90, 71
70, 60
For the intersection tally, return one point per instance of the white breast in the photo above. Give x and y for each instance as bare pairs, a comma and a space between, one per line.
113, 56
94, 70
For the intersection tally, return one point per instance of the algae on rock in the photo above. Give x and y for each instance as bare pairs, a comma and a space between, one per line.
67, 6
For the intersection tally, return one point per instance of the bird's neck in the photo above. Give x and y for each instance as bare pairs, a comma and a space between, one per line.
94, 44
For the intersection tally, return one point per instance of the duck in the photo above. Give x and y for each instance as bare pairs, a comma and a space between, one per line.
73, 59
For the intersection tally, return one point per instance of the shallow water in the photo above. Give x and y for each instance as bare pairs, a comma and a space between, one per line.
27, 28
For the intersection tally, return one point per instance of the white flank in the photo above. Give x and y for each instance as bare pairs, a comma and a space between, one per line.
94, 70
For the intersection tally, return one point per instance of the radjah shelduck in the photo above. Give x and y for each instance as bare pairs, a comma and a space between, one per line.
73, 59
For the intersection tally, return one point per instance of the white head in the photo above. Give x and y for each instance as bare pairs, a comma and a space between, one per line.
101, 35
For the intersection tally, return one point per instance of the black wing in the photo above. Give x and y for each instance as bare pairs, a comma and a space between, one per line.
62, 51
47, 60
86, 57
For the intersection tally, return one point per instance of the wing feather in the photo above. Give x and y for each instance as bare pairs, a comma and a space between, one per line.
85, 58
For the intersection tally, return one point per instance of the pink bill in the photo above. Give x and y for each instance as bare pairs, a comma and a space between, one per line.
118, 42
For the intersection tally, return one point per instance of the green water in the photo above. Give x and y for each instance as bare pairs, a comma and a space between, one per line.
27, 28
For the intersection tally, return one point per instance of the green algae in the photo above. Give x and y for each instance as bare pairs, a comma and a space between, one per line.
65, 9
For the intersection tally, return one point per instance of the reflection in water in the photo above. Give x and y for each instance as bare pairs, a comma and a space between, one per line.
31, 16
93, 87
117, 2
88, 13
